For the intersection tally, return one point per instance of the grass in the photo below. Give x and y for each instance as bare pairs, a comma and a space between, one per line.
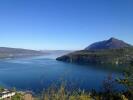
18, 96
63, 94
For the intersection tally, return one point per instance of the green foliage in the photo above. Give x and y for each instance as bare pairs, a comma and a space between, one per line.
127, 81
63, 94
17, 96
1, 88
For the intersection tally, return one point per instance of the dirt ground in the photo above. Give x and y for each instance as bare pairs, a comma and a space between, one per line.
28, 97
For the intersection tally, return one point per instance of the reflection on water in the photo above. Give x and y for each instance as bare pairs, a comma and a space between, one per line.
37, 73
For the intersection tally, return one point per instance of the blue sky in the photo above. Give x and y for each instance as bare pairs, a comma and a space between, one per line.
64, 24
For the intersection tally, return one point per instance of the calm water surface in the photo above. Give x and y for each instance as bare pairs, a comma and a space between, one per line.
37, 73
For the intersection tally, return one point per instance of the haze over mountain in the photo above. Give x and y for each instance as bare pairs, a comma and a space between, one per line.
6, 52
112, 43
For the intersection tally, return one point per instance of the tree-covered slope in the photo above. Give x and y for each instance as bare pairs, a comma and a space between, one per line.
111, 56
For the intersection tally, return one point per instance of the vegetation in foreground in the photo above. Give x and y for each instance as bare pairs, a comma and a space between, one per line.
108, 91
18, 96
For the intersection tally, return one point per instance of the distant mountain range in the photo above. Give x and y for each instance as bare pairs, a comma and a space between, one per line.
112, 51
6, 52
112, 43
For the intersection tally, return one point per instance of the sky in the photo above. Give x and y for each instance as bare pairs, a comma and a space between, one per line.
64, 24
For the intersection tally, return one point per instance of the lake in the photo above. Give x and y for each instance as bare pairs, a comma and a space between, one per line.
37, 73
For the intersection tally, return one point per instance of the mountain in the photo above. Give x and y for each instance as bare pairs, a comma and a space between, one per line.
6, 52
112, 51
112, 43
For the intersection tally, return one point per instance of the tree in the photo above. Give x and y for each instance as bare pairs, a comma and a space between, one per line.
127, 80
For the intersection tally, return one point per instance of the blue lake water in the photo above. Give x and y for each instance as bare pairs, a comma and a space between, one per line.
37, 73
